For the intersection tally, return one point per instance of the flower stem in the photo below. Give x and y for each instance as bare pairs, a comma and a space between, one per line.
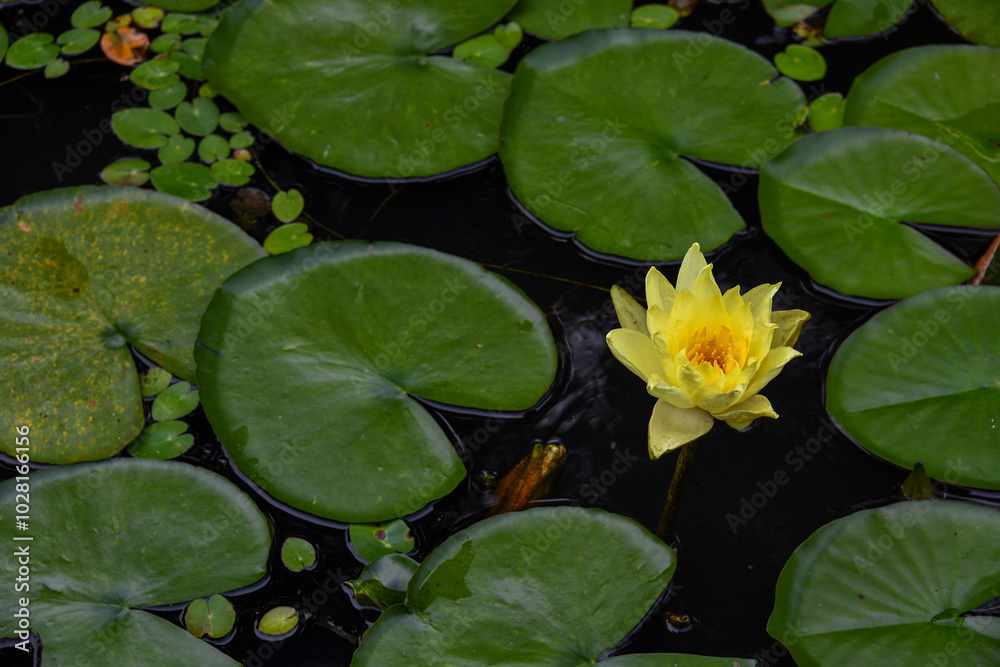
669, 516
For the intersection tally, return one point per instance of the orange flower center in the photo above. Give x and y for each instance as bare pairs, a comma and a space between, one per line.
718, 349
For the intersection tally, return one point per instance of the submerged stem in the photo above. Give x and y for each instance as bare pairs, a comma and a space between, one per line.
669, 516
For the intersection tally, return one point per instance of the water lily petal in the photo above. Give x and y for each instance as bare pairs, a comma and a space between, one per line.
662, 389
759, 299
692, 265
659, 291
635, 350
789, 326
670, 427
772, 364
631, 314
704, 286
746, 411
719, 401
686, 375
733, 300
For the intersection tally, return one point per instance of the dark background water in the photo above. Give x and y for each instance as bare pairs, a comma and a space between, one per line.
737, 525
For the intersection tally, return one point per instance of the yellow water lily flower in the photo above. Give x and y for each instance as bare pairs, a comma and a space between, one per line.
704, 354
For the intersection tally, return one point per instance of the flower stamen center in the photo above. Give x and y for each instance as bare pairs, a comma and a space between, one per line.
718, 349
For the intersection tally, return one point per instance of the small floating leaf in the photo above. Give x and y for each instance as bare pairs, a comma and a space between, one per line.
278, 621
826, 112
155, 74
32, 51
77, 41
162, 440
169, 97
175, 401
509, 35
213, 616
374, 540
801, 63
166, 43
90, 14
298, 554
56, 68
144, 128
287, 238
155, 380
917, 485
199, 117
654, 16
232, 121
483, 50
232, 172
147, 17
242, 140
186, 180
185, 24
177, 149
383, 582
126, 172
212, 148
287, 205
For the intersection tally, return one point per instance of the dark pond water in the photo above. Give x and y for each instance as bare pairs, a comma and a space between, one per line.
737, 525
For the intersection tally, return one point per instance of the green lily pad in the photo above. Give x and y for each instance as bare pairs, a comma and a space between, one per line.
878, 390
56, 68
162, 440
199, 117
184, 5
509, 587
180, 23
834, 202
88, 271
287, 205
125, 534
278, 621
287, 238
674, 660
155, 74
166, 43
155, 380
90, 15
826, 112
241, 140
144, 128
213, 148
976, 20
212, 616
147, 17
884, 585
383, 582
177, 149
558, 19
947, 93
126, 172
847, 18
483, 50
186, 180
169, 97
423, 114
232, 172
374, 540
77, 41
32, 51
298, 554
369, 327
175, 401
612, 168
801, 63
654, 16
508, 35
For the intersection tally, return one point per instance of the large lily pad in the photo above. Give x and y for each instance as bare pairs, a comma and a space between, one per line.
976, 20
834, 202
183, 5
919, 382
614, 168
889, 585
113, 537
359, 91
948, 93
557, 19
87, 272
551, 586
313, 359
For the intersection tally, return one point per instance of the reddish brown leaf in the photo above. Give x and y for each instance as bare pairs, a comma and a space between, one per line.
125, 46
